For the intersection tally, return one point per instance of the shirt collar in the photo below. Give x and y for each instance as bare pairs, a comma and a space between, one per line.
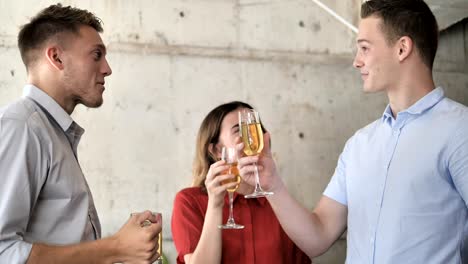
423, 104
54, 109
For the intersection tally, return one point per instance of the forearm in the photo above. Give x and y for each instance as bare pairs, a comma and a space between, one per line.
209, 246
99, 251
302, 226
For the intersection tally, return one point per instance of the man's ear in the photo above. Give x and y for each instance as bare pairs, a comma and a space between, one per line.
53, 55
404, 47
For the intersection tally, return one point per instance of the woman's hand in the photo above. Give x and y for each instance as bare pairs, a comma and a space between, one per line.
216, 191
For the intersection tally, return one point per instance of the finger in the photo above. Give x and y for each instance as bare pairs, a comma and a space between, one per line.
155, 257
240, 148
216, 173
154, 218
141, 217
219, 179
155, 253
134, 218
267, 144
230, 185
246, 161
154, 250
221, 189
247, 171
218, 163
216, 168
154, 230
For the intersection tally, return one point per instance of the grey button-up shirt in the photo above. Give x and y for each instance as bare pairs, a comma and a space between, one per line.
44, 196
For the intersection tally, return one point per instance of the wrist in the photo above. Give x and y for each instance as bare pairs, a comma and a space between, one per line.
112, 249
215, 205
277, 186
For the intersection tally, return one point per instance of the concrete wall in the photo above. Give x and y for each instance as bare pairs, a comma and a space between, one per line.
173, 61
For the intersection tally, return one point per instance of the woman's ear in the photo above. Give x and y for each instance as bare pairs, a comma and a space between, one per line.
213, 149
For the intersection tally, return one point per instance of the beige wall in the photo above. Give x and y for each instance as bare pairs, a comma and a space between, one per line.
173, 61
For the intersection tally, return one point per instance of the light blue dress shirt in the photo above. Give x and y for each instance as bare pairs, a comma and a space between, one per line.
44, 196
405, 183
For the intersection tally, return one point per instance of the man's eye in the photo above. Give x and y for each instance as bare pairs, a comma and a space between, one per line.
97, 55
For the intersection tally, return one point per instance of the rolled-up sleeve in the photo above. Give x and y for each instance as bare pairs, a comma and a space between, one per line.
20, 184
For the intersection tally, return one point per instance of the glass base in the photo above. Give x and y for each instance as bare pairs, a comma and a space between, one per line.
231, 226
258, 194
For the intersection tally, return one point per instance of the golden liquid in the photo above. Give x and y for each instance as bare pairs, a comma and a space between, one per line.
253, 145
160, 242
160, 239
234, 171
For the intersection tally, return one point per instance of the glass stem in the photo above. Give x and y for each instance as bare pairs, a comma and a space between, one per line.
231, 201
257, 179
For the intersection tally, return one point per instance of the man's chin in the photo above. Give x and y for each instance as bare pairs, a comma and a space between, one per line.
369, 89
95, 104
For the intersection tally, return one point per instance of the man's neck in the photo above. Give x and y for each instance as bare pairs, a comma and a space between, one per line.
54, 92
409, 90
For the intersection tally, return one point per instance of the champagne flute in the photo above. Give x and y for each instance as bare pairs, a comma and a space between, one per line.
229, 155
160, 259
252, 136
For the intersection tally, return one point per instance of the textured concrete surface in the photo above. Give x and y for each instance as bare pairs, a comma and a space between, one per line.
173, 61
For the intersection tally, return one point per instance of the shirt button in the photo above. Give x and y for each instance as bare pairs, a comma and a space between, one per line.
372, 240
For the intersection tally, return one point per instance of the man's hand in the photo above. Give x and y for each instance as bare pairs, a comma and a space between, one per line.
268, 174
137, 241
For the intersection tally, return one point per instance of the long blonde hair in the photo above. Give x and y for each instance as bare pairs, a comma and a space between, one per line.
208, 134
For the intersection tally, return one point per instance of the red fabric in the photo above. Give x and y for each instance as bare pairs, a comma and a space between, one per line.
262, 241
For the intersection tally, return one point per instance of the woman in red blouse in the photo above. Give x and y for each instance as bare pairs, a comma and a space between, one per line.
199, 210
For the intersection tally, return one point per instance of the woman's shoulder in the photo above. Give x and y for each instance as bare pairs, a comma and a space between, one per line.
191, 193
192, 199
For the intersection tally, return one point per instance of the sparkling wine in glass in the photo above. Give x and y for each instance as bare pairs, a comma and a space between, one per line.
229, 155
252, 136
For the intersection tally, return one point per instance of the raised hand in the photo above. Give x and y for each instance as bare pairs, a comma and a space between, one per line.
216, 191
269, 178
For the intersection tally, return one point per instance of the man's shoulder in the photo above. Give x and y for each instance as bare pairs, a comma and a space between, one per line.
451, 107
20, 110
367, 130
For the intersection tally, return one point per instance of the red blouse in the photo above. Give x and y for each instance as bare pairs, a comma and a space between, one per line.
262, 241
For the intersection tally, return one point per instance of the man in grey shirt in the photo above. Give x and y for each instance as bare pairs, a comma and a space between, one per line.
47, 214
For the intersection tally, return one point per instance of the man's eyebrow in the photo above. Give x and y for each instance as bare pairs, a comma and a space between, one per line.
363, 40
101, 46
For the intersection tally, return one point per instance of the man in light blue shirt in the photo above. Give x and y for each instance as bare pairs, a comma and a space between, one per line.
47, 213
400, 187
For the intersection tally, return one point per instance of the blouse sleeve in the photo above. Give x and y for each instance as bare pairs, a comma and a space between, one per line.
187, 223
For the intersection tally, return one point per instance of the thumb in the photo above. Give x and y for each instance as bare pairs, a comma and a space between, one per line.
267, 143
142, 217
240, 149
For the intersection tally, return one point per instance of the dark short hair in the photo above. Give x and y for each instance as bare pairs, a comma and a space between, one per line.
49, 23
412, 18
